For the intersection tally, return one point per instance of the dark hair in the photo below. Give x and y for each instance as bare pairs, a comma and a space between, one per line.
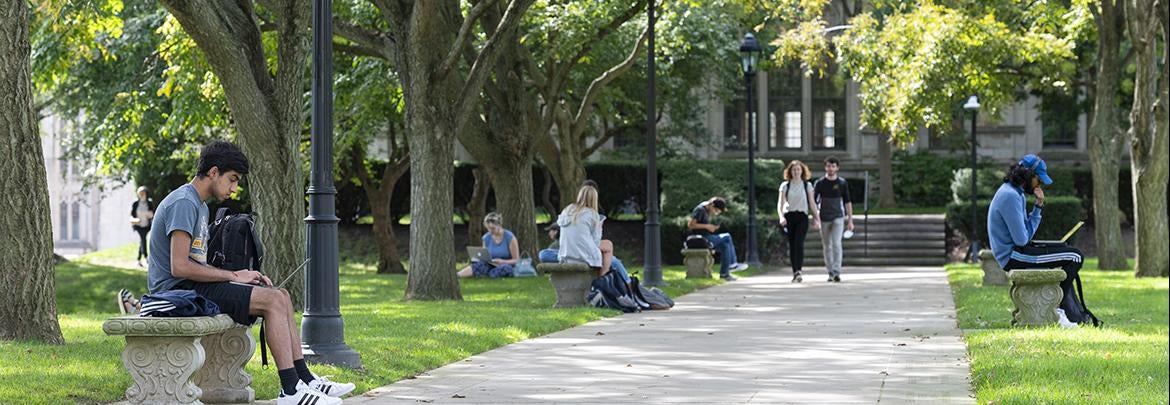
719, 202
224, 155
833, 160
1020, 176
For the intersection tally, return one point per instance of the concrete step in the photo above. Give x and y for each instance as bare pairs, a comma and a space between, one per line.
938, 244
879, 261
860, 251
896, 236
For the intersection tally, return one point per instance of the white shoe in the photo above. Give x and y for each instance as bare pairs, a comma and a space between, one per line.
739, 267
306, 396
1063, 320
330, 388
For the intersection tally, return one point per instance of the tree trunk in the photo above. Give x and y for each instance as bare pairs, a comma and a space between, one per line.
514, 200
1105, 139
380, 197
569, 178
28, 308
477, 207
885, 173
267, 112
432, 267
1148, 143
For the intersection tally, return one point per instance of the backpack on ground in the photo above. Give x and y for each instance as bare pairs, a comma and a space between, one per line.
652, 296
610, 291
234, 243
1075, 309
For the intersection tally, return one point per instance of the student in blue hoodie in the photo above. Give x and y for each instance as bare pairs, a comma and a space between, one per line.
1010, 229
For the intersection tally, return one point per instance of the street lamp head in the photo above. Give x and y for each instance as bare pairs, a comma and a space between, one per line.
972, 104
749, 51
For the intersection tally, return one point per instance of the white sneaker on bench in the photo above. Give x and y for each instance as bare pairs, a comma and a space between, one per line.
330, 388
306, 396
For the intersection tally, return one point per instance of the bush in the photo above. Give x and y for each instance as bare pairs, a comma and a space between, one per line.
989, 181
686, 183
920, 177
1059, 215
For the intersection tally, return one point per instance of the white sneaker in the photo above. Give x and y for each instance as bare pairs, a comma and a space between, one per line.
1063, 320
306, 396
739, 267
330, 388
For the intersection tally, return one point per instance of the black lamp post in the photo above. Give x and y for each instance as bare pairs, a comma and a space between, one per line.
653, 248
322, 330
750, 52
973, 251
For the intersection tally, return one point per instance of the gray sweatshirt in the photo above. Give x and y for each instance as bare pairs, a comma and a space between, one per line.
580, 239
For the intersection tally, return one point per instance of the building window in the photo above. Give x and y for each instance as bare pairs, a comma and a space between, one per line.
828, 109
63, 222
76, 220
1059, 118
784, 93
735, 118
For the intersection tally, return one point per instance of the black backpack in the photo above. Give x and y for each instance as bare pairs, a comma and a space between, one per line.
610, 291
233, 243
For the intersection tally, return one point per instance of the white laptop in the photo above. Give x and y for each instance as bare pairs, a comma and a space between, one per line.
1066, 237
479, 254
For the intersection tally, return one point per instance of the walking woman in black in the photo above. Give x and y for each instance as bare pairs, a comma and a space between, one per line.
141, 213
793, 207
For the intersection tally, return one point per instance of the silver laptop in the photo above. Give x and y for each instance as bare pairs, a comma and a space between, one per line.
479, 254
1066, 237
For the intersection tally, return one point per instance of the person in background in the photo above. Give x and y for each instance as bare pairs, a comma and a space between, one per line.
831, 194
793, 206
141, 214
700, 224
501, 245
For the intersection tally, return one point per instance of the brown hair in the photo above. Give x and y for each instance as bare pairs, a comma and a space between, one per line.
805, 175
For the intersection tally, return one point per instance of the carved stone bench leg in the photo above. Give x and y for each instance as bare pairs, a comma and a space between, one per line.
222, 377
698, 263
161, 367
1035, 304
572, 287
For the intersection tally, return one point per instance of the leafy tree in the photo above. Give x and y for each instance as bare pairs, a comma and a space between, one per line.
28, 310
1149, 30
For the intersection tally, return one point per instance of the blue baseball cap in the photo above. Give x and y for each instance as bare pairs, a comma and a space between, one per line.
1038, 166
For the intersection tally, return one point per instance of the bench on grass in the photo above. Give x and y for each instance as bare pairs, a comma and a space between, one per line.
571, 280
185, 360
698, 262
992, 273
1035, 294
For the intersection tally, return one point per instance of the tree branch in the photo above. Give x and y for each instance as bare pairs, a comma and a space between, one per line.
369, 39
358, 50
562, 74
586, 107
469, 94
463, 37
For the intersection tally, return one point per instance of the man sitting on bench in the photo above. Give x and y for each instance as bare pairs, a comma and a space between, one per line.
181, 223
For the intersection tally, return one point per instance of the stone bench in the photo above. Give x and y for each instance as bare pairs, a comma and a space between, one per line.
191, 360
1035, 294
698, 262
992, 273
571, 280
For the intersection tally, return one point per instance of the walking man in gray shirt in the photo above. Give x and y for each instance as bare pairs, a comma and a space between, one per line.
832, 197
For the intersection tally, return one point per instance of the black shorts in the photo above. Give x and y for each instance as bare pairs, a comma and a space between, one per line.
234, 300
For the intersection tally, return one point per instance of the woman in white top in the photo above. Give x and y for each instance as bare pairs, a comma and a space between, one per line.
581, 232
793, 207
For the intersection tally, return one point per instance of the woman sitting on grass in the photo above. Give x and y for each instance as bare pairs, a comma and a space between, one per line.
501, 245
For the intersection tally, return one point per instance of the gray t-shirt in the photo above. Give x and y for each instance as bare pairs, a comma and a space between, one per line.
182, 210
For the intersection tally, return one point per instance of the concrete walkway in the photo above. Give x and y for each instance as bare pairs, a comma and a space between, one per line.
884, 335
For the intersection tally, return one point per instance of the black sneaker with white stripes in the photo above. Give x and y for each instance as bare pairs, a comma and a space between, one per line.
306, 396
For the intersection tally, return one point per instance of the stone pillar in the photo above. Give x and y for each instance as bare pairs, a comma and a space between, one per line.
1035, 294
222, 377
698, 262
992, 273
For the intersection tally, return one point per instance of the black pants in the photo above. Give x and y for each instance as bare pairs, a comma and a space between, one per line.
1068, 258
797, 231
142, 232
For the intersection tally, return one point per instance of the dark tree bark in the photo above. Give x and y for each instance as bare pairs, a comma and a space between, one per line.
381, 193
1148, 33
267, 110
28, 308
477, 207
885, 172
1105, 137
427, 41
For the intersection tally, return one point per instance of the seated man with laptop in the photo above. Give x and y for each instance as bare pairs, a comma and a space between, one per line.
1010, 230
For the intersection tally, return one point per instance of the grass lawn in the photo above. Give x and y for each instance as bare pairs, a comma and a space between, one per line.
397, 339
1124, 362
